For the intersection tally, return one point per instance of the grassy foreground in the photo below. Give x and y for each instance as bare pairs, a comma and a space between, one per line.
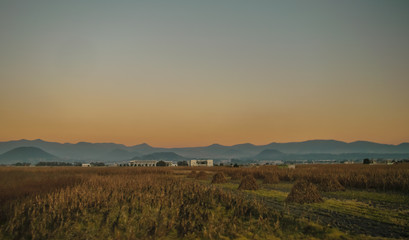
162, 203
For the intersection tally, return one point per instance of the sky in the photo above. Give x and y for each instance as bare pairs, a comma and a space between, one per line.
193, 73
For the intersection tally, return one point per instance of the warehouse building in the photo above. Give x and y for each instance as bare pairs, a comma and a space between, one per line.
200, 163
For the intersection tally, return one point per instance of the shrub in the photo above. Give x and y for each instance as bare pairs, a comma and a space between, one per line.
219, 178
248, 183
304, 192
161, 164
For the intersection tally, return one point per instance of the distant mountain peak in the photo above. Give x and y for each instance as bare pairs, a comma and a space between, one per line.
244, 145
366, 143
215, 145
322, 141
143, 145
361, 141
26, 154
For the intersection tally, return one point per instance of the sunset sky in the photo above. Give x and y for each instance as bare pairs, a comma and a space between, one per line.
192, 73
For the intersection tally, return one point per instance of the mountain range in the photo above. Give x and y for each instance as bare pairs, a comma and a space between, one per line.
112, 152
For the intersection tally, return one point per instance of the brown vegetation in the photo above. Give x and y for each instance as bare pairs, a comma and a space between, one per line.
271, 178
130, 204
357, 176
304, 192
327, 183
141, 203
202, 175
20, 182
234, 175
219, 178
192, 174
248, 183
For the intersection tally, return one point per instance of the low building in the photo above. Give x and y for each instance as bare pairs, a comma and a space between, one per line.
86, 165
142, 163
201, 163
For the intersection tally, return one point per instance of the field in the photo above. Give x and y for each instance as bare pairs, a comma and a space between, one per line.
338, 202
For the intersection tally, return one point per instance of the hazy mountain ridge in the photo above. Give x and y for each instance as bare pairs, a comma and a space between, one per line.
118, 155
26, 154
166, 156
111, 152
269, 154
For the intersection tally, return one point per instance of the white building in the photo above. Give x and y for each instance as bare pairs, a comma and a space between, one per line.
200, 163
86, 165
142, 163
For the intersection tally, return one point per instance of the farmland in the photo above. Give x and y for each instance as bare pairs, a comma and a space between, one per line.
349, 202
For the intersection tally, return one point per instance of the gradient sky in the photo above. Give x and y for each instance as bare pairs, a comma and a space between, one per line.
191, 73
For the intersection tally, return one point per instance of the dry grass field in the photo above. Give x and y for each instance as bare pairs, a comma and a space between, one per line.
356, 202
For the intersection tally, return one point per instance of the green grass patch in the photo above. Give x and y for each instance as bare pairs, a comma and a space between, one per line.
274, 194
360, 195
281, 186
364, 210
229, 185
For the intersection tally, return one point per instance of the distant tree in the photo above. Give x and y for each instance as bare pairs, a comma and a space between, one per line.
235, 160
183, 163
161, 164
235, 165
367, 161
54, 164
19, 164
97, 164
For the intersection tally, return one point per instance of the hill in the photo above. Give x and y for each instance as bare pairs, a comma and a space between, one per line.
117, 155
26, 154
268, 154
166, 156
